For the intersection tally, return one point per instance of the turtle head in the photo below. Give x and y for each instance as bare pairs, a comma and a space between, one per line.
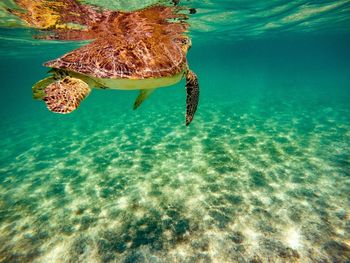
186, 43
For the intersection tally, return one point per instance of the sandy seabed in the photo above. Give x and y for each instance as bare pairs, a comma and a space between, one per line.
242, 184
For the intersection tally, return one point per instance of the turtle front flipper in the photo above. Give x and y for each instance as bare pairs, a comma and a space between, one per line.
144, 94
192, 90
61, 96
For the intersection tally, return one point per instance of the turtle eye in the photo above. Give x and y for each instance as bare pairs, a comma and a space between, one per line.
185, 41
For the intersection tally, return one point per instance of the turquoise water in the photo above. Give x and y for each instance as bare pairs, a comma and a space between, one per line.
262, 174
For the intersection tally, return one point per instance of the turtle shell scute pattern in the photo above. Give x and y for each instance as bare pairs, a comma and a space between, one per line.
131, 45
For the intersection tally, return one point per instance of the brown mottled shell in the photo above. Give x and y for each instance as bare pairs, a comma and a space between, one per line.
48, 14
133, 45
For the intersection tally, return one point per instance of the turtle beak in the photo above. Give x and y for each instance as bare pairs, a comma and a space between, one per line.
189, 44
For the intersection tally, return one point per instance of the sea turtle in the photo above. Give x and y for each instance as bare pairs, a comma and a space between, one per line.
140, 50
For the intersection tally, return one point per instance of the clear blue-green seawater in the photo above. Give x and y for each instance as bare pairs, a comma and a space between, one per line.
262, 174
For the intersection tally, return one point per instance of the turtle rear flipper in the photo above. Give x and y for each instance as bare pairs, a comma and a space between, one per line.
61, 96
39, 88
144, 94
192, 90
